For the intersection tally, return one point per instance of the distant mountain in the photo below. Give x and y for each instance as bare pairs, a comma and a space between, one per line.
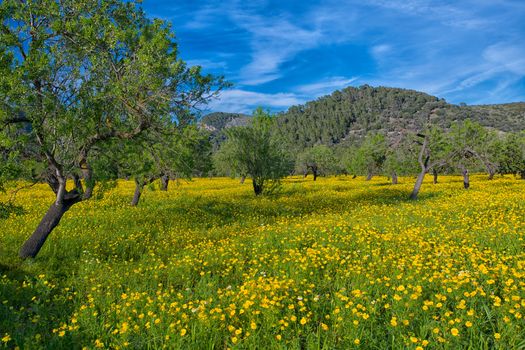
217, 121
347, 115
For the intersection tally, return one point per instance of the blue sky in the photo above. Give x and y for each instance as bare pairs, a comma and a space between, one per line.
281, 53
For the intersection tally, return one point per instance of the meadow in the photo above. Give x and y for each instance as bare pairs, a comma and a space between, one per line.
339, 263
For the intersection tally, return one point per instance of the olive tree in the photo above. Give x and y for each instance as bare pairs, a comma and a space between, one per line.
257, 152
400, 159
165, 156
75, 75
474, 147
319, 160
368, 159
512, 154
435, 151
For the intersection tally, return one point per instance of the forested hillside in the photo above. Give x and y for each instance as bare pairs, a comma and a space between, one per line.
352, 112
347, 115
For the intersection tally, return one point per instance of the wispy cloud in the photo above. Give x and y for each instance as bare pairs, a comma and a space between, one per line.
281, 53
242, 101
379, 52
207, 63
325, 86
275, 40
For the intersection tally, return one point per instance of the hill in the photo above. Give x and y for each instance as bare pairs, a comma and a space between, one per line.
346, 115
350, 113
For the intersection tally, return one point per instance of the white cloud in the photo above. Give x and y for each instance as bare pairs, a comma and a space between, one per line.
379, 51
207, 63
507, 57
242, 101
326, 86
275, 40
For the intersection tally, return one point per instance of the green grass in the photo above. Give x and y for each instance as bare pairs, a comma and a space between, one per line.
350, 258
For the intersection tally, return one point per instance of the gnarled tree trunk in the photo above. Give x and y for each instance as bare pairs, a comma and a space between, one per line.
87, 174
417, 185
466, 180
257, 187
435, 174
243, 178
35, 242
369, 176
64, 200
394, 178
423, 163
164, 181
138, 192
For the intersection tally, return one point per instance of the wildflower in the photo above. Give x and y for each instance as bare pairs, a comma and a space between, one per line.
6, 338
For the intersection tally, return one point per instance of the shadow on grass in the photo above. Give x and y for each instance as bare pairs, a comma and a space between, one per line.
30, 309
203, 213
7, 209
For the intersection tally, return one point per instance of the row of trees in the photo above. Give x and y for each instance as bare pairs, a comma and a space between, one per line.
92, 91
261, 154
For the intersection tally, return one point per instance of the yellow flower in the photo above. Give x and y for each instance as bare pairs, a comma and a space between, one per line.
253, 325
468, 324
357, 341
278, 337
324, 327
183, 332
497, 335
61, 333
454, 332
303, 321
6, 338
234, 340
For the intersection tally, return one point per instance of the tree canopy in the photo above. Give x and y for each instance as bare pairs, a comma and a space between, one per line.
75, 75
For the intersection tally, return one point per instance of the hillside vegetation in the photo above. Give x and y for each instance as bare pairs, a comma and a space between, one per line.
347, 115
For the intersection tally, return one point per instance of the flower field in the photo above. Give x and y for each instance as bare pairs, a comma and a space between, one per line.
339, 263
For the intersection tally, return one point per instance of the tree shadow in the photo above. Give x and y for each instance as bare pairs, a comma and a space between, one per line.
390, 196
6, 209
30, 309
